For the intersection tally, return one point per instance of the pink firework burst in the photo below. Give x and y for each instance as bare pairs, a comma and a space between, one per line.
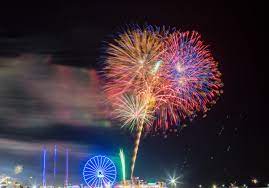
192, 79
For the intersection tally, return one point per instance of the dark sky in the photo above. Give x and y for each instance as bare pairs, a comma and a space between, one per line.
230, 144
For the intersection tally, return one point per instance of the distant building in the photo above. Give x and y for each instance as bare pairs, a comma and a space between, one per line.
139, 183
8, 182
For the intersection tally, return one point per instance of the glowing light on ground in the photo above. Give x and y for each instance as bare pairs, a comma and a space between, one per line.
18, 169
174, 180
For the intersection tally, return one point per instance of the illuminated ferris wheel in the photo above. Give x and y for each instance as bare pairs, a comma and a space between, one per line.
99, 172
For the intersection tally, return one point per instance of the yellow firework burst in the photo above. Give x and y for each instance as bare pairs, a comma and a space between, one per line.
134, 111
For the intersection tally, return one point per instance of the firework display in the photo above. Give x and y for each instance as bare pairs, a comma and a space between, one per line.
191, 77
158, 79
122, 159
130, 62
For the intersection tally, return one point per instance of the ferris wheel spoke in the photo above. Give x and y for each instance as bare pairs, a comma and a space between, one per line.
100, 182
90, 168
102, 161
88, 171
110, 170
94, 182
90, 182
111, 173
103, 181
86, 176
89, 179
98, 161
106, 162
93, 165
110, 167
109, 176
97, 183
107, 180
95, 162
89, 174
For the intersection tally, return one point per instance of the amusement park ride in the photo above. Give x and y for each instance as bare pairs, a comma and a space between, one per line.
98, 172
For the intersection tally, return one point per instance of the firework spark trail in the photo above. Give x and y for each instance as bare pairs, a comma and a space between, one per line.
135, 112
137, 141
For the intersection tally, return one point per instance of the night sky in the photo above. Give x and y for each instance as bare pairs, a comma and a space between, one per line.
50, 55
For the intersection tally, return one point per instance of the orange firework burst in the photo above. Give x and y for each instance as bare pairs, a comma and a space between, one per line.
131, 61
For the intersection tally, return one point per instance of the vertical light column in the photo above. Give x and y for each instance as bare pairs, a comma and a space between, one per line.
55, 164
44, 168
66, 168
